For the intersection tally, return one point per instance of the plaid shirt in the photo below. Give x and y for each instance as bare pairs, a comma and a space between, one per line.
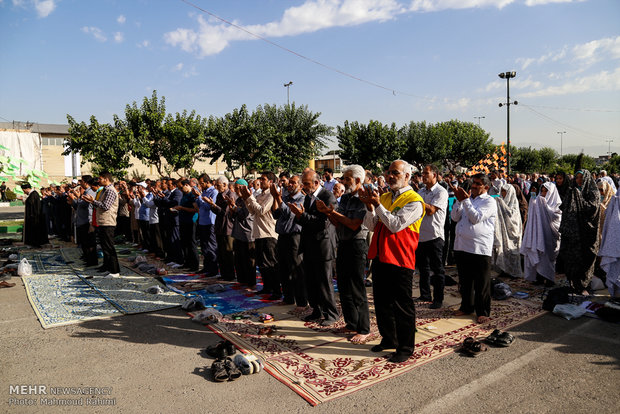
107, 198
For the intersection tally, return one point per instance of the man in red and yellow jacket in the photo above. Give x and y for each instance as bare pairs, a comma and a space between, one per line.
396, 217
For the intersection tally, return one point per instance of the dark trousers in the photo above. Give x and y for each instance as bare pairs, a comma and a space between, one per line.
225, 256
392, 288
290, 270
208, 247
350, 268
429, 258
187, 232
319, 286
88, 243
268, 264
156, 245
123, 226
106, 239
475, 282
174, 251
245, 265
144, 234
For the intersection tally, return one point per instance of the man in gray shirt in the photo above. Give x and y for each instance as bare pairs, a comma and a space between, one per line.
352, 251
83, 220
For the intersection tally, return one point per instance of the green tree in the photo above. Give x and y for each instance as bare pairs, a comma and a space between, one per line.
613, 165
548, 159
146, 125
424, 144
185, 135
567, 163
297, 134
373, 146
466, 143
525, 160
107, 146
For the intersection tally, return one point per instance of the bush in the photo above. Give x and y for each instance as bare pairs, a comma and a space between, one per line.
10, 195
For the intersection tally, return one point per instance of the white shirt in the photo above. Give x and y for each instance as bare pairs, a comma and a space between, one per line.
432, 225
475, 228
397, 221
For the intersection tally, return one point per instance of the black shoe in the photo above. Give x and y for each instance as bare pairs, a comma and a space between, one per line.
397, 358
312, 317
436, 305
382, 347
423, 299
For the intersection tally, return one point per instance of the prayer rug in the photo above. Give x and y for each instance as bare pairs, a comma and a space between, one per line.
234, 298
321, 365
62, 292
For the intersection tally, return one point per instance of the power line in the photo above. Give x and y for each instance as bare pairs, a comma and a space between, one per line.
561, 123
575, 109
333, 69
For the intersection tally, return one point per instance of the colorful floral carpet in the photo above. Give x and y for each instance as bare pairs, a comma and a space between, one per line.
321, 365
61, 292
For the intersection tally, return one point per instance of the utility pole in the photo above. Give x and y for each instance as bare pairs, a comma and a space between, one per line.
288, 86
609, 141
507, 76
479, 118
561, 140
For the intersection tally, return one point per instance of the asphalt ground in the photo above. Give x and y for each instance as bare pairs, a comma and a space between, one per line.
153, 363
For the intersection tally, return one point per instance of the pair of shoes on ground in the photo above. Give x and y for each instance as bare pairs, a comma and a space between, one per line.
471, 347
499, 338
224, 370
221, 350
248, 364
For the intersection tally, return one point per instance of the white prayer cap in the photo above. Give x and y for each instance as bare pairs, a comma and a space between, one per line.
142, 184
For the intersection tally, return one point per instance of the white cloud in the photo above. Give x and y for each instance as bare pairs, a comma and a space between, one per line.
121, 19
213, 37
119, 37
437, 5
144, 43
44, 7
596, 50
602, 81
177, 67
96, 32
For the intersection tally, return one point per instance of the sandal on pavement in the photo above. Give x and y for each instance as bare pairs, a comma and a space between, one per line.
505, 339
492, 339
231, 369
218, 369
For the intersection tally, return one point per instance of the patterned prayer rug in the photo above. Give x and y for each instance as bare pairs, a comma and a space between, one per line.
321, 365
62, 292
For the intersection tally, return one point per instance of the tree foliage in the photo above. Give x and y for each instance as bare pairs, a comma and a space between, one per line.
613, 165
373, 146
146, 125
185, 135
108, 146
466, 144
270, 138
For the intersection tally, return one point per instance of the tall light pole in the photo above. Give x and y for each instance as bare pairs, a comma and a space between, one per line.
609, 141
561, 140
479, 118
507, 76
287, 86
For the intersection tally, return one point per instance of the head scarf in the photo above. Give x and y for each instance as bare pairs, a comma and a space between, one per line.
522, 203
610, 245
563, 189
608, 193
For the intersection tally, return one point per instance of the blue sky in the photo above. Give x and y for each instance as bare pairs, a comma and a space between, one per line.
434, 60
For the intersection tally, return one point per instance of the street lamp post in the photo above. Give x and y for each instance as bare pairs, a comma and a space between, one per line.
479, 118
609, 141
561, 140
287, 86
507, 76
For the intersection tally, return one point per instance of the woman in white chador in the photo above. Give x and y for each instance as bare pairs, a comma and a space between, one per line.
508, 230
541, 240
610, 246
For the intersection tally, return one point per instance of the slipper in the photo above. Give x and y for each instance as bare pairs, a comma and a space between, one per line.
5, 284
472, 347
505, 339
492, 339
231, 368
218, 369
